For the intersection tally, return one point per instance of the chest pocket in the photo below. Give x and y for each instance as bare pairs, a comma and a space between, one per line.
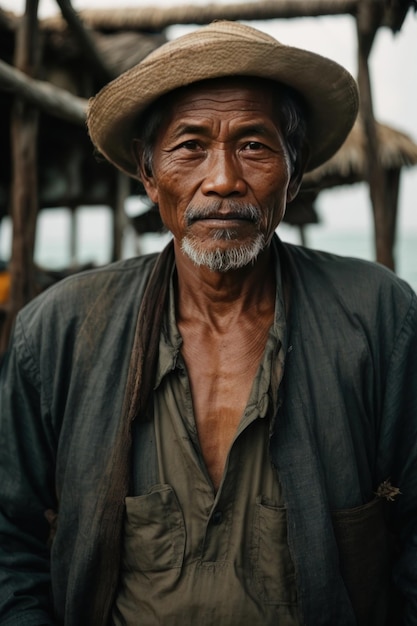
273, 568
154, 538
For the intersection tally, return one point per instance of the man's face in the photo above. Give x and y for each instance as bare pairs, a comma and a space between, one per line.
221, 172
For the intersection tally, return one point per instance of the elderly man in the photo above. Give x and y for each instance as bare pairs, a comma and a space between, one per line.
224, 433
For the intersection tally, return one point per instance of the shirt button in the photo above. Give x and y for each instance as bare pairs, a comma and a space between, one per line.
217, 518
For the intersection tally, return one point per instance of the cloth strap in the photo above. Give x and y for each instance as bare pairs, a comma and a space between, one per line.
116, 479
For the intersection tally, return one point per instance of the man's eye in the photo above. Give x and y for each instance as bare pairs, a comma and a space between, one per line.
254, 145
190, 145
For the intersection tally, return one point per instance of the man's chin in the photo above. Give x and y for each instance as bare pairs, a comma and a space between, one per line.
221, 257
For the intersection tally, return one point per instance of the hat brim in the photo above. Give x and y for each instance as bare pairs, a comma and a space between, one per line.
329, 91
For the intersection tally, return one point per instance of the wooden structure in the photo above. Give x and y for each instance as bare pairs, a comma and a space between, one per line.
49, 69
349, 166
47, 160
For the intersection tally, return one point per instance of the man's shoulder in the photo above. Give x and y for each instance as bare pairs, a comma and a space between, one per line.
121, 273
124, 276
355, 283
110, 292
334, 267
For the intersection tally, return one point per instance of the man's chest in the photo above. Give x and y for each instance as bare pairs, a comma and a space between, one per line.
221, 371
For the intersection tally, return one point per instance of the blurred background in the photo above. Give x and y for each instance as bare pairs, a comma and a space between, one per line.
339, 219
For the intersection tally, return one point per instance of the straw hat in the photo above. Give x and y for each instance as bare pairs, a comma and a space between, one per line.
224, 49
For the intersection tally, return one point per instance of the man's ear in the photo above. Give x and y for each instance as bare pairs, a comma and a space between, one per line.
143, 174
298, 172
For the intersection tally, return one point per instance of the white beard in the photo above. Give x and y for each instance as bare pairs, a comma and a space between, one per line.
223, 260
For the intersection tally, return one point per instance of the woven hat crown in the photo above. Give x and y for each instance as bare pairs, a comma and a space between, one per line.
222, 49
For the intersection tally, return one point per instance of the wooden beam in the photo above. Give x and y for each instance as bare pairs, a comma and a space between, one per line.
156, 18
119, 215
43, 95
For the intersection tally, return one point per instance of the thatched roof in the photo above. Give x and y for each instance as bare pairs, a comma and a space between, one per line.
348, 165
122, 51
8, 20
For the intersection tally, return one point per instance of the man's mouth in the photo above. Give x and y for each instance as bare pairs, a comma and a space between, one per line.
223, 217
217, 216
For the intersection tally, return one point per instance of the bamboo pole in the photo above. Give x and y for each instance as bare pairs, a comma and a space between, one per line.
43, 95
24, 203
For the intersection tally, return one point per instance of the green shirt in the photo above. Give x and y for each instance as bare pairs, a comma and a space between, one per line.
193, 556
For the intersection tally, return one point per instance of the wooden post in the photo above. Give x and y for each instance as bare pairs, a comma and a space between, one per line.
24, 193
368, 21
392, 189
119, 215
73, 238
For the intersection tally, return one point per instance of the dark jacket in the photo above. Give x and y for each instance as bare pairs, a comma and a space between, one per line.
347, 425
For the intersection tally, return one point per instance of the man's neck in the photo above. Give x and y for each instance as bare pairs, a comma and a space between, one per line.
207, 295
224, 321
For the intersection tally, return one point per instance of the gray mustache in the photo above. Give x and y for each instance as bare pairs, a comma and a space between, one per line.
218, 208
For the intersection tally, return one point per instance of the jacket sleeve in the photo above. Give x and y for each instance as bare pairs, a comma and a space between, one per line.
398, 446
27, 444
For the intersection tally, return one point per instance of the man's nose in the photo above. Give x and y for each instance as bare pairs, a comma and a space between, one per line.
223, 177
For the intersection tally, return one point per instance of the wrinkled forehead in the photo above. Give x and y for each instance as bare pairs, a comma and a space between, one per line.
236, 88
249, 83
218, 98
